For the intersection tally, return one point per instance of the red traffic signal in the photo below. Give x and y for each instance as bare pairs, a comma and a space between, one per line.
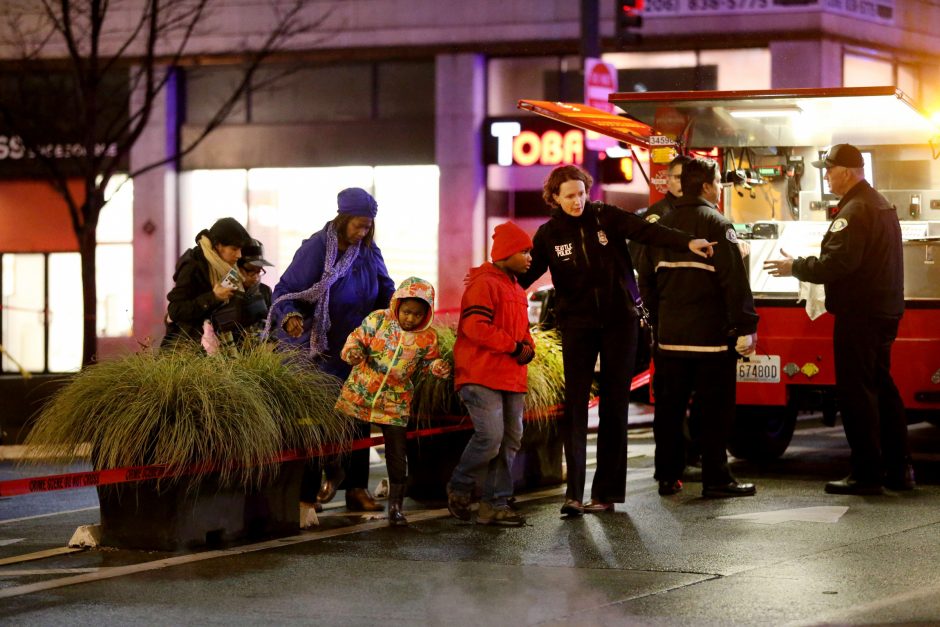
628, 18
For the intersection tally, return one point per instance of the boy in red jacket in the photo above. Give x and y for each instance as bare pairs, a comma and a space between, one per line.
490, 355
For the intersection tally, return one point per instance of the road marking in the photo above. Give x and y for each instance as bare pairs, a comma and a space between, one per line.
68, 511
821, 514
41, 571
307, 536
11, 541
38, 555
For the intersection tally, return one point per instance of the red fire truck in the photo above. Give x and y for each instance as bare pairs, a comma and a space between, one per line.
765, 141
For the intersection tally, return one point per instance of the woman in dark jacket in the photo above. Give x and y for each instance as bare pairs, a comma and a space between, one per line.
202, 281
584, 244
336, 279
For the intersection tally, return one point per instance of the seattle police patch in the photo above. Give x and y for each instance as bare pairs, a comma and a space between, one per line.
653, 217
732, 236
838, 224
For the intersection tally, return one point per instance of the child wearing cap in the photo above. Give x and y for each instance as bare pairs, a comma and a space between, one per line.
388, 349
490, 355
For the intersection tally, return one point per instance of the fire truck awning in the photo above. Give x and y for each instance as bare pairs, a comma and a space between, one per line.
866, 116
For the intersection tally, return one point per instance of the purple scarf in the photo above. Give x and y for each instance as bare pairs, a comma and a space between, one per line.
319, 293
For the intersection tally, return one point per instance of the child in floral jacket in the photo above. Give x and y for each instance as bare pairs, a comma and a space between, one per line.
386, 351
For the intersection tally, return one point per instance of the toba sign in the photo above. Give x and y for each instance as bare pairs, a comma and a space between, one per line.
600, 80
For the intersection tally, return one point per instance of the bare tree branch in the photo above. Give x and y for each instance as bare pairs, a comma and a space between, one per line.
95, 108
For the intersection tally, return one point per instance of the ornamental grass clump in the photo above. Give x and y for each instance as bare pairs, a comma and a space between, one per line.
181, 407
546, 379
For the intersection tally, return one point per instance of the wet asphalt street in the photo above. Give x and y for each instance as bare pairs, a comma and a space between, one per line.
793, 555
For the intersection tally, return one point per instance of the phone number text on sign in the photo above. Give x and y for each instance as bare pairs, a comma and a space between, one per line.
685, 7
759, 369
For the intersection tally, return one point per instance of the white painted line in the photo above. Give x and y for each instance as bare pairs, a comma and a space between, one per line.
38, 555
68, 511
309, 536
306, 536
822, 514
50, 571
11, 541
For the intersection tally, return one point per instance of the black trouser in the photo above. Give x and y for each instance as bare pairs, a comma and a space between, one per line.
355, 465
616, 345
712, 378
396, 440
872, 410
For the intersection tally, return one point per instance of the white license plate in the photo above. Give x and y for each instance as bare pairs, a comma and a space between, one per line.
759, 369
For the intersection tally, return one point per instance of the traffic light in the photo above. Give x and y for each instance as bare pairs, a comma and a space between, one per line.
627, 19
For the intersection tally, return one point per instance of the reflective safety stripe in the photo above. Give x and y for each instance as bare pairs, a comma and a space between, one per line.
685, 264
693, 349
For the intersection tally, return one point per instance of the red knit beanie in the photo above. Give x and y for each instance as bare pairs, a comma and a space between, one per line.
508, 239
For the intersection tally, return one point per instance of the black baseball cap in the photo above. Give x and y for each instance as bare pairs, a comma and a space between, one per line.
846, 155
253, 255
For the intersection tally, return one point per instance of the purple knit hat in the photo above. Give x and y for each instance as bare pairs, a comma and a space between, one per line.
356, 201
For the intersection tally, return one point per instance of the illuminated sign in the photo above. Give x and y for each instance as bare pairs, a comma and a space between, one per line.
536, 141
518, 146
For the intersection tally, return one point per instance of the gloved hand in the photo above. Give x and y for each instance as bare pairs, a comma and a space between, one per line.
355, 356
746, 344
524, 353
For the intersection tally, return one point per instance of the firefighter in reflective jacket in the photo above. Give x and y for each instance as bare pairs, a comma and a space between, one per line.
703, 317
861, 264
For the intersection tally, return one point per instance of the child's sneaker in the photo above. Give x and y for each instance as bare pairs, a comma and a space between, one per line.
458, 504
501, 515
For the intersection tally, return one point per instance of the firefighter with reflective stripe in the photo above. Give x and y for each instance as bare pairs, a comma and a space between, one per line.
703, 316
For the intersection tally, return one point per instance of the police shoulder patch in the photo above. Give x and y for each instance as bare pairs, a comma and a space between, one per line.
653, 217
732, 235
838, 224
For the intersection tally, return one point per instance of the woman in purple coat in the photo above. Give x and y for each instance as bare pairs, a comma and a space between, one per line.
337, 277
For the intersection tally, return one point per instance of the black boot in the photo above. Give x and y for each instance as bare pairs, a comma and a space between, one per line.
396, 494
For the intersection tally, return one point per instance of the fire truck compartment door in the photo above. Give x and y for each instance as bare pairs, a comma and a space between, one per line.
868, 116
590, 119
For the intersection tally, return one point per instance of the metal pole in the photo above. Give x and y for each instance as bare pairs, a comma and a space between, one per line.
591, 48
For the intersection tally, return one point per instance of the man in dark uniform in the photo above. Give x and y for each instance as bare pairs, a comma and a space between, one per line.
656, 211
703, 316
861, 266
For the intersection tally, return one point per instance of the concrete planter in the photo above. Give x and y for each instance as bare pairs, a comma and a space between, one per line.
431, 460
181, 517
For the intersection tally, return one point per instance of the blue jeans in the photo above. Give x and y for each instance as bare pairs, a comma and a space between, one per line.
487, 459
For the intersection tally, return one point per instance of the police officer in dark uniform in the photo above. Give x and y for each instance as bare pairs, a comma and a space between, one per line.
861, 266
703, 316
584, 246
655, 212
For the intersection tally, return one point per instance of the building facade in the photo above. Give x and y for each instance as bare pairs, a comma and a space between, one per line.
401, 97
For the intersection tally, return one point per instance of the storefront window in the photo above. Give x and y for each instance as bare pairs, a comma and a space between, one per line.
747, 68
65, 306
114, 261
24, 302
42, 293
864, 71
407, 228
286, 205
908, 80
210, 195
